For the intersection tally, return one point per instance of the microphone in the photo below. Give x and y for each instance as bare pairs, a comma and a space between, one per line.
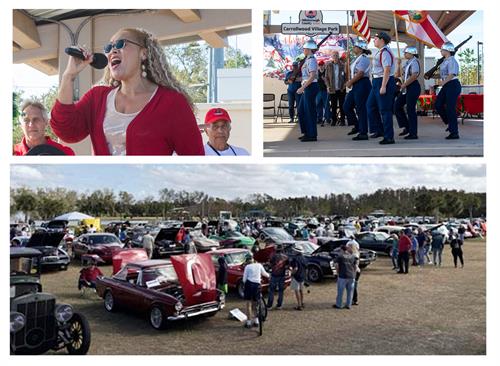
99, 60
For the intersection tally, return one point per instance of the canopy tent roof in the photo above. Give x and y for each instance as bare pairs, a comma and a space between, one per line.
382, 20
73, 216
39, 36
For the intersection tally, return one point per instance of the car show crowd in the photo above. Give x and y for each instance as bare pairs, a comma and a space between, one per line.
249, 256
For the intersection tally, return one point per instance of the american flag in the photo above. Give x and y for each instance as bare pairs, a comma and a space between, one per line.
360, 25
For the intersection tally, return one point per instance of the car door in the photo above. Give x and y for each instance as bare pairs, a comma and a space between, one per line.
368, 241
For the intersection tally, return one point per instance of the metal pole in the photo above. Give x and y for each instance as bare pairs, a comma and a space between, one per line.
396, 33
478, 60
348, 54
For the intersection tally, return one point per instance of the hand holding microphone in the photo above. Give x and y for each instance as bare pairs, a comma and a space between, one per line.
81, 58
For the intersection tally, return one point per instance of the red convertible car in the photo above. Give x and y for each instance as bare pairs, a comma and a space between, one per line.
167, 290
235, 258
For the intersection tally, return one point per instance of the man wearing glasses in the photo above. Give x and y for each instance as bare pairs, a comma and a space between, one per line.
218, 128
34, 120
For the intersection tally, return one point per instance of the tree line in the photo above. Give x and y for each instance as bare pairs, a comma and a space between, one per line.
46, 203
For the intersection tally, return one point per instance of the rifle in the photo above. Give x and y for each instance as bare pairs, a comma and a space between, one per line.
429, 74
296, 71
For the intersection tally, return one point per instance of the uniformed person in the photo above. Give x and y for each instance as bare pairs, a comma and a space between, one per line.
309, 89
293, 79
410, 90
381, 100
451, 88
360, 85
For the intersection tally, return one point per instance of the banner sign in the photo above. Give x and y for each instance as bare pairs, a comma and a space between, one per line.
310, 24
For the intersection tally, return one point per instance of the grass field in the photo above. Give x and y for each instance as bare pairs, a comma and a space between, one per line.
429, 311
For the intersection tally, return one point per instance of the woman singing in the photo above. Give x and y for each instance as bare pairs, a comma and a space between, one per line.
141, 109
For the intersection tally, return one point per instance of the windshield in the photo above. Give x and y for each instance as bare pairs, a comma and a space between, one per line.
197, 235
22, 266
102, 239
236, 258
307, 247
234, 234
152, 277
278, 234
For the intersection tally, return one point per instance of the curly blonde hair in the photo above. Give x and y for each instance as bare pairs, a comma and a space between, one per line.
157, 68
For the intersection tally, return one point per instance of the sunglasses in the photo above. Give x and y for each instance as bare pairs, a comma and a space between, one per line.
118, 45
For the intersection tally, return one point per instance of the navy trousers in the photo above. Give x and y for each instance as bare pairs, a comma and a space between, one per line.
408, 120
446, 104
356, 100
379, 108
307, 111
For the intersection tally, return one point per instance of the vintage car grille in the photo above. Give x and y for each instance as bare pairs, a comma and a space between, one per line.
40, 325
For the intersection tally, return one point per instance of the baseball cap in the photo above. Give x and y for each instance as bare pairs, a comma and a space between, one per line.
217, 114
321, 63
384, 36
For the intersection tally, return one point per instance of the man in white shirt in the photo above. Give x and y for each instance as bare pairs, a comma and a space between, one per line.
218, 130
251, 278
148, 243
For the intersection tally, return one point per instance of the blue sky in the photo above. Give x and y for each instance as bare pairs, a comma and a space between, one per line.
235, 180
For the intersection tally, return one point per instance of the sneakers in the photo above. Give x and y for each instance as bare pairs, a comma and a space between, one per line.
278, 308
452, 136
386, 142
256, 322
376, 135
404, 132
248, 324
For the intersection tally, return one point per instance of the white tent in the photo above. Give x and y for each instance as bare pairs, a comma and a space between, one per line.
73, 216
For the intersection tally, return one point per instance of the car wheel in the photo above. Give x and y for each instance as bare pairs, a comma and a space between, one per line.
79, 331
64, 267
241, 289
157, 318
314, 274
109, 301
262, 236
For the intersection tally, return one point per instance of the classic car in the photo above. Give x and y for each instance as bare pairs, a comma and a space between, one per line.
55, 225
332, 246
19, 241
165, 244
235, 259
318, 266
390, 229
105, 245
378, 241
53, 254
167, 290
233, 239
37, 323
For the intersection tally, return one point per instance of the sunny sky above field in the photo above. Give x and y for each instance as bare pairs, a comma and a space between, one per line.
235, 180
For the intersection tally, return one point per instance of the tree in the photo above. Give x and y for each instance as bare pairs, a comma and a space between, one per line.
189, 64
452, 206
25, 201
471, 202
235, 59
424, 204
124, 204
468, 66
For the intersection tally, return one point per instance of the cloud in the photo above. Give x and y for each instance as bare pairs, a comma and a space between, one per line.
22, 175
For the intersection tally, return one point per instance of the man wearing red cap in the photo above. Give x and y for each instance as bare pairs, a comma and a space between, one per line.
218, 129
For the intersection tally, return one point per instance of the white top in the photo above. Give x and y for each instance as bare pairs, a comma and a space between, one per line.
115, 125
253, 272
230, 151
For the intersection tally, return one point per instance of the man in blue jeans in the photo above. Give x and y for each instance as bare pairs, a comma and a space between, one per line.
279, 265
345, 264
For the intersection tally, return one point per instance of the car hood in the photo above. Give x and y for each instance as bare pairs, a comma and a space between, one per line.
107, 247
196, 275
205, 242
45, 239
125, 256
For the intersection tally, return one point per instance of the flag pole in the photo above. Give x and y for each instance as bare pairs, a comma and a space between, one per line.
397, 34
348, 54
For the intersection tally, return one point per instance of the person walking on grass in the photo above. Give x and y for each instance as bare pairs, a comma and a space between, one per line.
437, 245
404, 246
298, 265
346, 265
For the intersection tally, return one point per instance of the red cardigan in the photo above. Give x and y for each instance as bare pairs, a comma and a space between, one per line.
165, 124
